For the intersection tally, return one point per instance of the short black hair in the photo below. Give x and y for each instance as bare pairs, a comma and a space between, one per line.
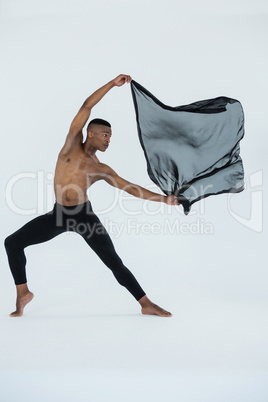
100, 122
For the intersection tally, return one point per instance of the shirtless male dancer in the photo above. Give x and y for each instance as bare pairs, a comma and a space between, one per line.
77, 169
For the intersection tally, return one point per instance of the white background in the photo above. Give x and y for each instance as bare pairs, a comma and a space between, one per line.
83, 337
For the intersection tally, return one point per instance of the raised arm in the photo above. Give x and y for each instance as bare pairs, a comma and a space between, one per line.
111, 177
75, 132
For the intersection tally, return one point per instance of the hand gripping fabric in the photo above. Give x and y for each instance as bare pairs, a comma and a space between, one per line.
192, 151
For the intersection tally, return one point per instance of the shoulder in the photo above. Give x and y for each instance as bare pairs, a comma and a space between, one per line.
106, 170
111, 177
72, 145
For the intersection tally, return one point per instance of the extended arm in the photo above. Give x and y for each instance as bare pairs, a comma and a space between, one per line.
79, 121
111, 177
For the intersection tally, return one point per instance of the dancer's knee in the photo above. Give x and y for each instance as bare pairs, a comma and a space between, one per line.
10, 242
112, 261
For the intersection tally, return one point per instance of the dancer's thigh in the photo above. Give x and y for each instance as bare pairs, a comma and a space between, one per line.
38, 230
94, 233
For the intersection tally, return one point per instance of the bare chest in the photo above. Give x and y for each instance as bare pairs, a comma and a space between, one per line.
76, 169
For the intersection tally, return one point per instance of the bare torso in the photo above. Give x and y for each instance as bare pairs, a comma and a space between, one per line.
75, 172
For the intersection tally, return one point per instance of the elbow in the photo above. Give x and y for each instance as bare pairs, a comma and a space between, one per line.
87, 105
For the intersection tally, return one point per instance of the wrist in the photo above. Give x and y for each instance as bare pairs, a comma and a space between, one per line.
159, 198
112, 83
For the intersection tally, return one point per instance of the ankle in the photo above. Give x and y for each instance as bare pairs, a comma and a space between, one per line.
22, 290
144, 301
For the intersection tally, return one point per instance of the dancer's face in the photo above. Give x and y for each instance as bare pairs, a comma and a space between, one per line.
100, 137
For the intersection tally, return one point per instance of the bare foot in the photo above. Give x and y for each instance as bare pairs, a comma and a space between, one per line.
150, 308
21, 303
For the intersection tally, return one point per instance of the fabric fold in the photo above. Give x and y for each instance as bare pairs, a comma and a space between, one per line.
192, 151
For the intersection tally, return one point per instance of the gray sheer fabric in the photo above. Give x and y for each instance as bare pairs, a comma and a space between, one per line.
192, 151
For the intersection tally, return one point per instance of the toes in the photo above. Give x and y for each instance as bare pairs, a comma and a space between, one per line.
12, 314
15, 314
164, 312
167, 313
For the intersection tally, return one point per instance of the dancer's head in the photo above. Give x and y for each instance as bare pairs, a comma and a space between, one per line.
99, 133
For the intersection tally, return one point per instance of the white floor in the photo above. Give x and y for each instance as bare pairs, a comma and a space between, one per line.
210, 350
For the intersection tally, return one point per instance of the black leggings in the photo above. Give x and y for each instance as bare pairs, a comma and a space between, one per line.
80, 219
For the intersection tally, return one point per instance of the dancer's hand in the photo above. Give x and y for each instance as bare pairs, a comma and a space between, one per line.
121, 80
172, 200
